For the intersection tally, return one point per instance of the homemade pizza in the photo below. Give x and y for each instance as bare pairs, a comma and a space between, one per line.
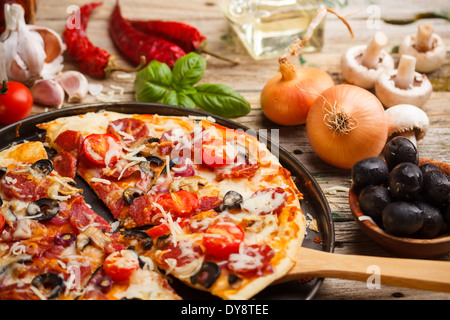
188, 199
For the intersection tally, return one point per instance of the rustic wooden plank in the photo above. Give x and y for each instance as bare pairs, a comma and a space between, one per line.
249, 78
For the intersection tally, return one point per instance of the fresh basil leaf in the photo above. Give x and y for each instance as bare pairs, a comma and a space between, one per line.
170, 98
220, 100
189, 69
153, 82
184, 88
185, 101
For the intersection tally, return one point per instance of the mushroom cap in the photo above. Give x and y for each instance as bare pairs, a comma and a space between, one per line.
390, 95
406, 117
356, 73
427, 61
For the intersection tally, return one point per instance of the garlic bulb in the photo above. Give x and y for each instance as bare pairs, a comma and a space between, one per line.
74, 84
31, 52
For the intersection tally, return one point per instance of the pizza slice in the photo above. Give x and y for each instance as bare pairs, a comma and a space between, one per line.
221, 213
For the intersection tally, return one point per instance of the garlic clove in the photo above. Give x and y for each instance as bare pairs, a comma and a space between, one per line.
74, 84
48, 93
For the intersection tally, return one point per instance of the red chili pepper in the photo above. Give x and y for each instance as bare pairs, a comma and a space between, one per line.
185, 36
92, 60
134, 44
189, 38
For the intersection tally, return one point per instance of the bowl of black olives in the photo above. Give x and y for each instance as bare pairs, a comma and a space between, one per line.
402, 201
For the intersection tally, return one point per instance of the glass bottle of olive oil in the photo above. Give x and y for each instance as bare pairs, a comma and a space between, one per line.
268, 27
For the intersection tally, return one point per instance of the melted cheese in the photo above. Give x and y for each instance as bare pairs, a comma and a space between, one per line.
264, 202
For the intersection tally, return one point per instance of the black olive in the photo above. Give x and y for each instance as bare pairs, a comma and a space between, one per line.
50, 152
231, 200
402, 218
43, 209
1, 201
398, 150
156, 160
44, 166
405, 181
130, 194
233, 278
135, 233
207, 275
49, 282
163, 240
436, 186
152, 140
372, 201
174, 162
369, 171
432, 223
3, 172
446, 213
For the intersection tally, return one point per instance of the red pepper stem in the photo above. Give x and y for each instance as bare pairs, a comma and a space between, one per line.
218, 56
113, 66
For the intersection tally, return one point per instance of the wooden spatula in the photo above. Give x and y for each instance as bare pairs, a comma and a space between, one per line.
410, 273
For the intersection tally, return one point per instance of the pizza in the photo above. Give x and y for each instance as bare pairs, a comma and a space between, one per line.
188, 198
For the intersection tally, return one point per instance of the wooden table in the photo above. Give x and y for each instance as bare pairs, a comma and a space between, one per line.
249, 77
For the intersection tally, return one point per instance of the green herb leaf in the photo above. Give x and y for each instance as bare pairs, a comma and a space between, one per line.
170, 98
189, 69
221, 100
185, 101
153, 82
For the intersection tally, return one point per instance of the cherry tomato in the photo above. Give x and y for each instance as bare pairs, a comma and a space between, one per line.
222, 239
180, 204
16, 102
2, 222
120, 265
162, 229
102, 148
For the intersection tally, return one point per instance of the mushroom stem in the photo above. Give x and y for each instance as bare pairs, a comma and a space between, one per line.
405, 72
370, 58
410, 135
424, 40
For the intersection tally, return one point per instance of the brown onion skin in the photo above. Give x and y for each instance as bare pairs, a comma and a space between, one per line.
282, 98
366, 140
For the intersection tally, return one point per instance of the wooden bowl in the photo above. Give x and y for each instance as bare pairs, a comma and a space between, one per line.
402, 246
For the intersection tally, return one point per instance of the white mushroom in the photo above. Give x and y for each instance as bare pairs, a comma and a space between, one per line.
362, 65
408, 121
403, 85
426, 46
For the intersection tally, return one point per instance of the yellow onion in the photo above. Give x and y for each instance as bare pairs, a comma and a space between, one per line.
346, 124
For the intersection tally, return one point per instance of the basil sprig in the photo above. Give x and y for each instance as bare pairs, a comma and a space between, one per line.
178, 87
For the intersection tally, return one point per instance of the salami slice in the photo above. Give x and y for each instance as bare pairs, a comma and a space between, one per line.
65, 163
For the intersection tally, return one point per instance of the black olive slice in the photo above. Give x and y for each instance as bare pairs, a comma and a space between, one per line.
174, 162
233, 278
1, 201
207, 275
3, 172
130, 194
43, 209
43, 166
152, 140
231, 200
156, 160
135, 233
50, 283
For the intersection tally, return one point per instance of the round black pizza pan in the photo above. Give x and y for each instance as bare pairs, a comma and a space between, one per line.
314, 203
